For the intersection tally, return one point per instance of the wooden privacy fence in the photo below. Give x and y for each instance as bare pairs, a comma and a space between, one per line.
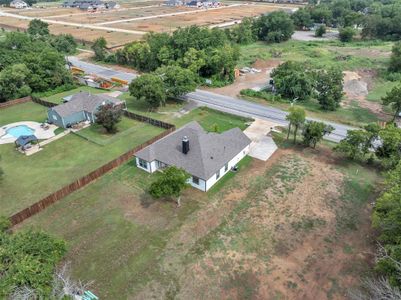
145, 119
43, 102
15, 102
81, 182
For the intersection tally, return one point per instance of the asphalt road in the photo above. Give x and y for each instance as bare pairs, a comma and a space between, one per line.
216, 101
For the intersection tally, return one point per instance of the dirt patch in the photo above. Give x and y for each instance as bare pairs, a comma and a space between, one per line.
250, 81
357, 85
281, 244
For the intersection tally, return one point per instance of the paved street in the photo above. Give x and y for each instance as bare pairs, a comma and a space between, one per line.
219, 102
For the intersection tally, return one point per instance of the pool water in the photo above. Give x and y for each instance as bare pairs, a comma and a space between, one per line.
19, 130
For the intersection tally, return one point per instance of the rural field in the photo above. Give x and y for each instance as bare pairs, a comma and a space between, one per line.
296, 226
132, 20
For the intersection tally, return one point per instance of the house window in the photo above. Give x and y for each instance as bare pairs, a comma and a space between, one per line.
143, 163
218, 174
226, 167
195, 180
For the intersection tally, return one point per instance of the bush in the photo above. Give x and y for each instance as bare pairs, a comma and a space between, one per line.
346, 34
320, 31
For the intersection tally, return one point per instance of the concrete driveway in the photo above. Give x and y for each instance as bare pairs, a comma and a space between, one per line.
262, 146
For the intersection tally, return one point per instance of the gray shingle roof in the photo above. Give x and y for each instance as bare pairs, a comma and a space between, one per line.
208, 153
84, 101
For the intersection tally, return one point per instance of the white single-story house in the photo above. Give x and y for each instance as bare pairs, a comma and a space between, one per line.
207, 157
18, 4
79, 108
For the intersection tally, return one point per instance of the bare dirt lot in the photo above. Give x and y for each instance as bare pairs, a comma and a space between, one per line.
131, 21
202, 18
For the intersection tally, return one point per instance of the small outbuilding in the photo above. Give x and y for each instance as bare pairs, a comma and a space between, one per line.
24, 142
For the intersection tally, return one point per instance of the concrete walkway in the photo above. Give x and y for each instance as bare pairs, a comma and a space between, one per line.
262, 146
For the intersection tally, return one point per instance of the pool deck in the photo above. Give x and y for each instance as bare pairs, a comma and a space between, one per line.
39, 132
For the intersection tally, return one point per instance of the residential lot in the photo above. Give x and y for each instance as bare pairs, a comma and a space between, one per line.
271, 231
30, 178
133, 19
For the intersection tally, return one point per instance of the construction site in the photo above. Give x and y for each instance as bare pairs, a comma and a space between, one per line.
129, 21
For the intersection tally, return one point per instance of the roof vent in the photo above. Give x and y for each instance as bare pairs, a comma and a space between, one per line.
185, 145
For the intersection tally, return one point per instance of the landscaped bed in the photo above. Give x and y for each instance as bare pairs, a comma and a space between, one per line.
28, 179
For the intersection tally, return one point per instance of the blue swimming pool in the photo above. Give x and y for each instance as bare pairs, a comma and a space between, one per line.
19, 130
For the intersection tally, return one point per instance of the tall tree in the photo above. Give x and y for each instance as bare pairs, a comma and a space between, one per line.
293, 80
177, 81
243, 33
13, 82
329, 87
171, 182
296, 119
109, 116
100, 48
302, 19
393, 98
313, 132
38, 28
275, 27
150, 88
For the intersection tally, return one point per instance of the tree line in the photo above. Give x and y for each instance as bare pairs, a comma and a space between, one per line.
33, 61
378, 19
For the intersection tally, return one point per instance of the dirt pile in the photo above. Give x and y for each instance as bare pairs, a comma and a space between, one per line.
354, 85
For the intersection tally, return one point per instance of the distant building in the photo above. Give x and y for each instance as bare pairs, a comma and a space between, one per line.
90, 4
18, 4
174, 2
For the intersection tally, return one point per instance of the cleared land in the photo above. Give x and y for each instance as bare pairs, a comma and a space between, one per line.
131, 21
202, 18
293, 227
362, 63
30, 178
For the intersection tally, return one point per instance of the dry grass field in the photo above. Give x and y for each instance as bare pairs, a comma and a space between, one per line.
131, 21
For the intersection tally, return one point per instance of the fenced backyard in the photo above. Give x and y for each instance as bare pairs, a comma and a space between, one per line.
67, 159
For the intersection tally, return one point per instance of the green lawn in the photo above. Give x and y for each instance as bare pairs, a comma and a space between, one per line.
353, 114
27, 179
23, 112
117, 234
58, 98
321, 54
380, 89
208, 118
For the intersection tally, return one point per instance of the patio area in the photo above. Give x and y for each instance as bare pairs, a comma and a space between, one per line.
11, 132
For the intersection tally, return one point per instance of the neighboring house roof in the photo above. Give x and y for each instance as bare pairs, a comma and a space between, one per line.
208, 152
84, 101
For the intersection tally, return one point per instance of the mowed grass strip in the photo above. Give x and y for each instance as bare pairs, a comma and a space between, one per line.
28, 179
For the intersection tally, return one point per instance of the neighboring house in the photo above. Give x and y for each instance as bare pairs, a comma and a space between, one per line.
174, 2
18, 4
89, 4
79, 108
207, 157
